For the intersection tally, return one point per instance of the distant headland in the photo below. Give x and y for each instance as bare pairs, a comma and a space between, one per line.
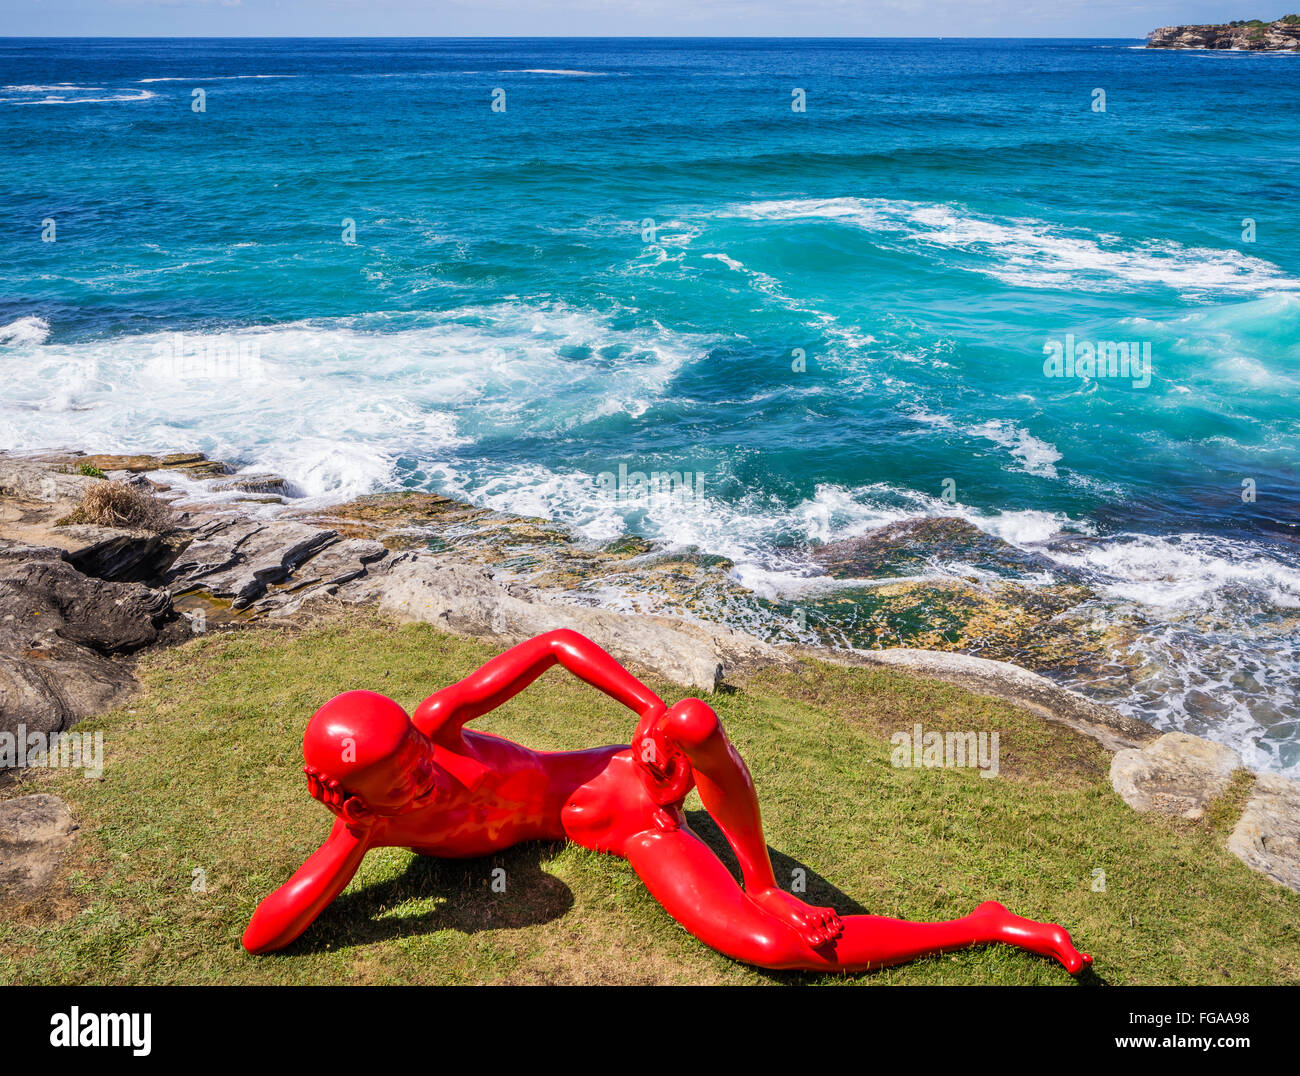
1252, 35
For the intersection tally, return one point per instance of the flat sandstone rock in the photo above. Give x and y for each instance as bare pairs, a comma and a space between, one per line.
240, 558
1267, 836
1178, 774
464, 600
35, 831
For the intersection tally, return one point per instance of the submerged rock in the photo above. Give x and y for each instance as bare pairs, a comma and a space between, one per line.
1038, 626
912, 545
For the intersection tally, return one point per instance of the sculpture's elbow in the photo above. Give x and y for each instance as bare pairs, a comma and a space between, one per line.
263, 936
256, 942
257, 939
566, 639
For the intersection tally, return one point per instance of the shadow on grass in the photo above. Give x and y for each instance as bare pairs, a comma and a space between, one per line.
819, 890
461, 891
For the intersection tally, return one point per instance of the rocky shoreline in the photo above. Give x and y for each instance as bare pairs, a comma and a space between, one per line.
1253, 35
79, 599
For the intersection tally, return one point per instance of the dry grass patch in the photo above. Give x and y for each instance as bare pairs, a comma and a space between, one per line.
117, 504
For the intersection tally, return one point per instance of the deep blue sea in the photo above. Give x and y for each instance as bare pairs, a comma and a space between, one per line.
340, 262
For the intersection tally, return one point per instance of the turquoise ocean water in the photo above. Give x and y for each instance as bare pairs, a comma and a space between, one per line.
619, 266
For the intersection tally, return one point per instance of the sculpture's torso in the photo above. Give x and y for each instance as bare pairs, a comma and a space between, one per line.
595, 798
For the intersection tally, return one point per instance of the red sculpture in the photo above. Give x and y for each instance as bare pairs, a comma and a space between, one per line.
430, 785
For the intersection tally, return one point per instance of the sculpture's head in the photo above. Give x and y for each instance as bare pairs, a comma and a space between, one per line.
363, 756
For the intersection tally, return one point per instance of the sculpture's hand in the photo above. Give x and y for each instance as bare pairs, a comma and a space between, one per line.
324, 788
664, 767
347, 806
650, 717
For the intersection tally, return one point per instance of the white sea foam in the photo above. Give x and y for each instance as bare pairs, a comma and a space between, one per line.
334, 404
209, 78
57, 87
1035, 456
730, 263
140, 95
1215, 636
549, 71
1186, 569
25, 332
1034, 253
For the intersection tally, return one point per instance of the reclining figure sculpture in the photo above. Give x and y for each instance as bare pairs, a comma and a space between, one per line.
429, 784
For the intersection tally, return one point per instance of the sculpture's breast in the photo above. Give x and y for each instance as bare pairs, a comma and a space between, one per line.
608, 810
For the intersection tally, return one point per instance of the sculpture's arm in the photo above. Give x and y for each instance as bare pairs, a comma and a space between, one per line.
508, 674
292, 908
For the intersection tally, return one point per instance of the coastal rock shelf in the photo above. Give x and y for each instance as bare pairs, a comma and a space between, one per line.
233, 560
1253, 36
61, 636
899, 587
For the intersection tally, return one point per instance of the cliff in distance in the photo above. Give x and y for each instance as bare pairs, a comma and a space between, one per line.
1251, 36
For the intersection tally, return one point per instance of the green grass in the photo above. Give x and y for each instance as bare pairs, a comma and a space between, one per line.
202, 772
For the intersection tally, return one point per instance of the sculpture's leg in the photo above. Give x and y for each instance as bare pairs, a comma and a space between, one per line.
699, 892
727, 792
725, 786
764, 924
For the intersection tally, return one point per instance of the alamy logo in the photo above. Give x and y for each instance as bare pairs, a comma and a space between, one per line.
657, 486
76, 1028
66, 750
947, 749
178, 357
1105, 358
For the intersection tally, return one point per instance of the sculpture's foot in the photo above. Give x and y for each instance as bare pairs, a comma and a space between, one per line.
1045, 939
816, 925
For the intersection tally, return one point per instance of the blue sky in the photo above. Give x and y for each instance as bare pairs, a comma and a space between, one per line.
433, 18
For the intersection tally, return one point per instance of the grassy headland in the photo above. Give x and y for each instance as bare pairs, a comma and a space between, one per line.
202, 774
